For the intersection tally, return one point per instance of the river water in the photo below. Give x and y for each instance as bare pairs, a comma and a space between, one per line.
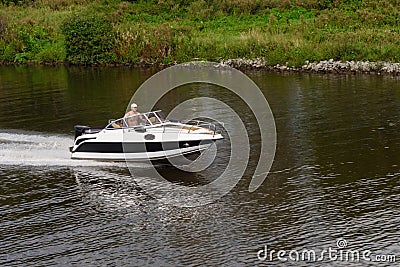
334, 182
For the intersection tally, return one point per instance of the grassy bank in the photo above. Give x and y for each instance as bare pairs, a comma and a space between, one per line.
166, 31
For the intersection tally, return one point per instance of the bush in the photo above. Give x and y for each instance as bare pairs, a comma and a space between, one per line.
88, 39
33, 40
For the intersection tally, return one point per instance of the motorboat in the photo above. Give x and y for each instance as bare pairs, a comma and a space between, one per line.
143, 136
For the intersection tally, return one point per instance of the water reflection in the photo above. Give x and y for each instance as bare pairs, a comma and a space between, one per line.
335, 175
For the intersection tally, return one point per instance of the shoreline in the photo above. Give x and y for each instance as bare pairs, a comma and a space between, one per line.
323, 67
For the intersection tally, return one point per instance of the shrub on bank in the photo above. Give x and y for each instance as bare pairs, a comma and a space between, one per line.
88, 39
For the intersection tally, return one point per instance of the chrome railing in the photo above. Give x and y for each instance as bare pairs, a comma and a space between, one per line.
203, 124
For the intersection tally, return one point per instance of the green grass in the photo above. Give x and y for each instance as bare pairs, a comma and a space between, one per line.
166, 31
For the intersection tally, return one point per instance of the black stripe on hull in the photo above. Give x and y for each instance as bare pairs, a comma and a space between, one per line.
84, 139
119, 147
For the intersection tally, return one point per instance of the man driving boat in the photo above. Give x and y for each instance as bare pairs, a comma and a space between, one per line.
133, 117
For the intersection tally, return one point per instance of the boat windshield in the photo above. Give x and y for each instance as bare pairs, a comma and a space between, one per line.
141, 119
155, 117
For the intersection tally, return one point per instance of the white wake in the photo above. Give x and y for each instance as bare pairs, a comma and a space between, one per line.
40, 149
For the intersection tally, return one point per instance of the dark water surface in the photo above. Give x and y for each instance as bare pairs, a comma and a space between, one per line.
336, 175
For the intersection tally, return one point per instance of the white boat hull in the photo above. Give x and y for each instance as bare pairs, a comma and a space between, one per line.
153, 142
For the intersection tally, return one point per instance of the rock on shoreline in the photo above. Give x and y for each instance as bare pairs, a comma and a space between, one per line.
325, 66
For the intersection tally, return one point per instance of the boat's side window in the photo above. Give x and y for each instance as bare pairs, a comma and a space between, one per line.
152, 118
116, 124
160, 116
